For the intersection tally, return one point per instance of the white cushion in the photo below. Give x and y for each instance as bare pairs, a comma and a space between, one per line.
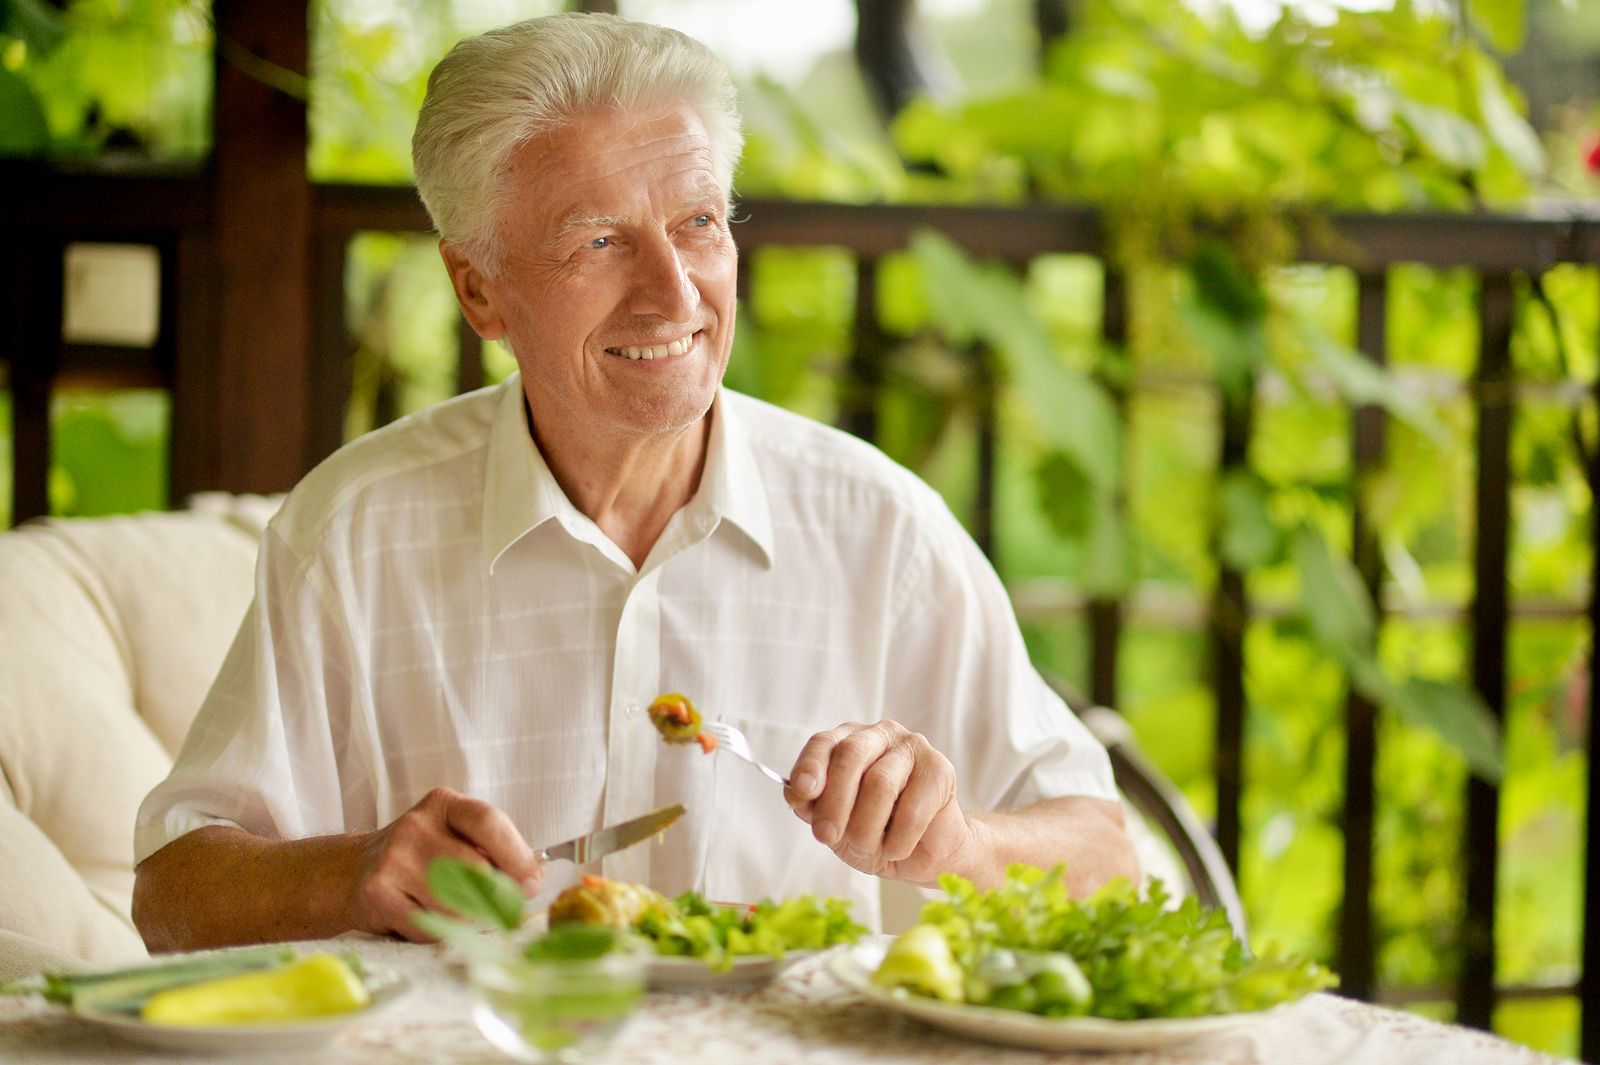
112, 629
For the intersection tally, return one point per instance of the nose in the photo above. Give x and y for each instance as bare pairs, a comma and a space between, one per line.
661, 285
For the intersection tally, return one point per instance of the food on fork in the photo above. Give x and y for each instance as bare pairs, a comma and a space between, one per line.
676, 718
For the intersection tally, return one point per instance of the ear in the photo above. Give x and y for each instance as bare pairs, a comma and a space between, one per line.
474, 292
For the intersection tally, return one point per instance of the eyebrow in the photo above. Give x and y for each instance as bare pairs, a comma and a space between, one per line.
572, 224
707, 193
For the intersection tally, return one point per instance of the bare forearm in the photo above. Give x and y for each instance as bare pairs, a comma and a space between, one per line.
1087, 834
218, 886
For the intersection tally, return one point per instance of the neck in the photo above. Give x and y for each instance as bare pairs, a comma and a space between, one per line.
629, 486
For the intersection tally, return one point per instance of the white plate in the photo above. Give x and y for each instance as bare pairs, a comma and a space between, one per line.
856, 965
249, 1039
673, 972
667, 973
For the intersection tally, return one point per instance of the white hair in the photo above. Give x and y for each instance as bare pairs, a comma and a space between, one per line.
493, 92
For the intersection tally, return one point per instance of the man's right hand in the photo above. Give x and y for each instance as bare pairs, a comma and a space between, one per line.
393, 876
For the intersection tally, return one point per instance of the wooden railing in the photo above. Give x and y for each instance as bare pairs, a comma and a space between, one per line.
168, 211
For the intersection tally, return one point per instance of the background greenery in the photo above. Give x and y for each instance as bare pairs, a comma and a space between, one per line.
1210, 141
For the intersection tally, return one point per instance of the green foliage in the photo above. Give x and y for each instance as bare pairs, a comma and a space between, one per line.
105, 75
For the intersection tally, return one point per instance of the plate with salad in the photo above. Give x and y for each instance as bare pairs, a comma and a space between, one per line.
701, 945
1028, 965
695, 945
248, 1001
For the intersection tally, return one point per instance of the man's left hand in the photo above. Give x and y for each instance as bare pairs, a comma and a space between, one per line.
884, 800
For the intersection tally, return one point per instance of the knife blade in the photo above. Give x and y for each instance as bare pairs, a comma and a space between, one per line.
597, 845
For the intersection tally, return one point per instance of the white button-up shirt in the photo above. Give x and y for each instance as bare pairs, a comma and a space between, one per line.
432, 610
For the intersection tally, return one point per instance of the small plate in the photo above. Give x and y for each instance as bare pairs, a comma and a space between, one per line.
677, 972
668, 973
386, 988
856, 965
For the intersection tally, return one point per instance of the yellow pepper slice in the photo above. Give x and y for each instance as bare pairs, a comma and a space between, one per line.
317, 985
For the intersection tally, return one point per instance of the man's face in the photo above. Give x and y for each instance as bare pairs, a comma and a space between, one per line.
617, 290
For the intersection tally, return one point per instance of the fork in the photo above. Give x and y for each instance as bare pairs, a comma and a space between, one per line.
731, 739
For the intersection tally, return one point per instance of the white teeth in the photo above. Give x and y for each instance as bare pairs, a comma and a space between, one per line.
658, 351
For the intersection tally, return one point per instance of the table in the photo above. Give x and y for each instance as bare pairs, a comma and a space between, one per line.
805, 1016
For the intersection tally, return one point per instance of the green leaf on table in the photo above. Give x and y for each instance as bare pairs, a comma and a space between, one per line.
1332, 596
467, 938
477, 892
1250, 538
573, 942
1459, 717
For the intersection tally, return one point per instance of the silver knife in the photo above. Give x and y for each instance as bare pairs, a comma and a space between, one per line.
597, 845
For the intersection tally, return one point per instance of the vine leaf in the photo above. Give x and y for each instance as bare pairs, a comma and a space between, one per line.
1502, 22
1343, 621
1361, 381
1250, 538
971, 302
23, 129
1510, 131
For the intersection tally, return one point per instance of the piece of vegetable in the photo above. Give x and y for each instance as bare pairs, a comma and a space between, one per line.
676, 718
919, 960
597, 900
318, 985
125, 990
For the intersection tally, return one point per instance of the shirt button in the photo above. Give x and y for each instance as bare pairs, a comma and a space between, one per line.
633, 710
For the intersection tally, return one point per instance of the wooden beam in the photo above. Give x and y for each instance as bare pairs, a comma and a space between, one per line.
261, 394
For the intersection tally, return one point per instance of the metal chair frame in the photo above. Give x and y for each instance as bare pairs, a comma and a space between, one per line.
1163, 806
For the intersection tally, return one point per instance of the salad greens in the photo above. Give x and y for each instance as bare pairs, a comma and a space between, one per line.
1028, 945
689, 926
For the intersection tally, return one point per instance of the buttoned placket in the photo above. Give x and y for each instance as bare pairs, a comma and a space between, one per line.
631, 742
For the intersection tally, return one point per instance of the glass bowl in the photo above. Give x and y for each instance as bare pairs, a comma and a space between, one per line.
554, 1009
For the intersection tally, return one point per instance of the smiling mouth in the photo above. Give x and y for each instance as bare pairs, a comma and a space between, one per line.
655, 351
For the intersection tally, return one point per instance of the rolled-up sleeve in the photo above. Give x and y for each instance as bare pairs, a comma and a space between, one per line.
960, 674
261, 753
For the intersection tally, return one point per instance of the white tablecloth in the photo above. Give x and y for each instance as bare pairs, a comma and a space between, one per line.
806, 1015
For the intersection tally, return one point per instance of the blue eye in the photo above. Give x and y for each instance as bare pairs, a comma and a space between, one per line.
599, 242
702, 220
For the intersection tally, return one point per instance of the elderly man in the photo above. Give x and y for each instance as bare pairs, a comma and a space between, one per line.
460, 617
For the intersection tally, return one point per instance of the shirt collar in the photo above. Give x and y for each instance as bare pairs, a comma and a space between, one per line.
521, 494
731, 484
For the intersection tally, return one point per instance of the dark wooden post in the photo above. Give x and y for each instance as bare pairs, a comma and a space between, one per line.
1356, 948
33, 351
1105, 614
1230, 616
889, 61
863, 371
1481, 848
260, 387
1589, 979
